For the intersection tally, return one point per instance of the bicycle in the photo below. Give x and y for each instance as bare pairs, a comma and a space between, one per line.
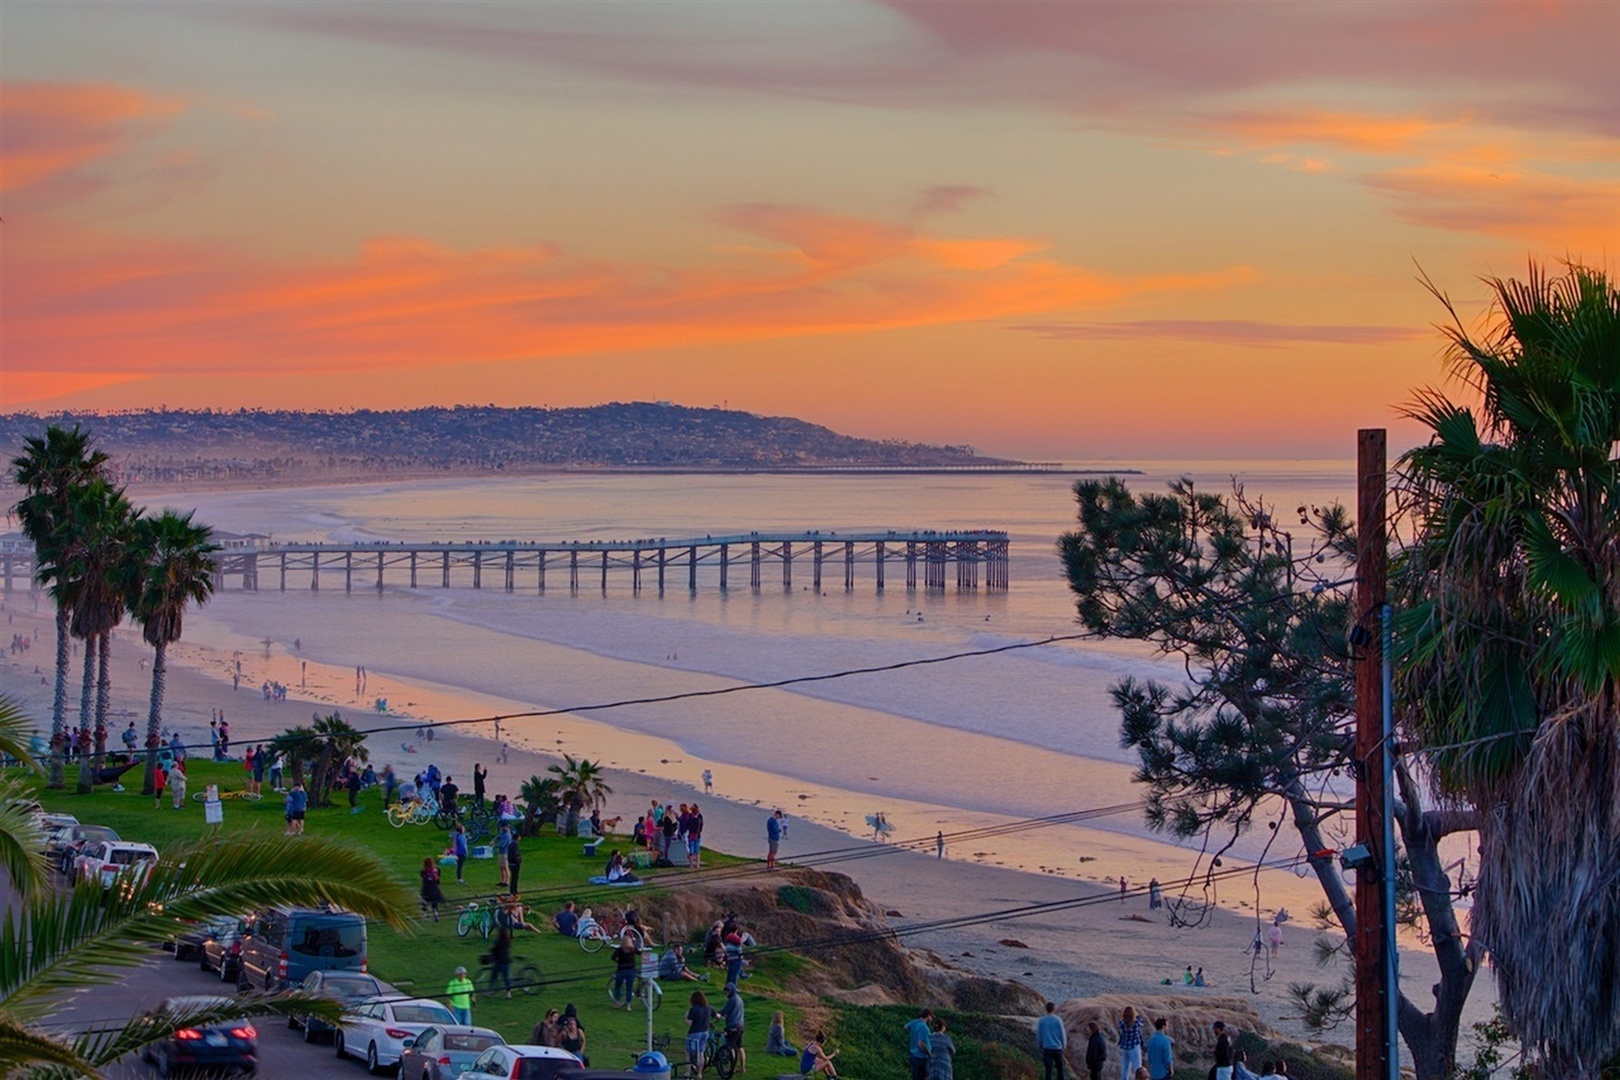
593, 936
473, 917
244, 794
719, 1054
526, 977
644, 990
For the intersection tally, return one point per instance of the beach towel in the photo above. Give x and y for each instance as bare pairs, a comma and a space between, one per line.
602, 880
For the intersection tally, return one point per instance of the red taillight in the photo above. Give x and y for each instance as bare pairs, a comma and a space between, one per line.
516, 1066
445, 1060
188, 1034
396, 1033
363, 968
245, 1032
281, 967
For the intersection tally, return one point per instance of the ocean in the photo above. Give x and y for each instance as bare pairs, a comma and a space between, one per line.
969, 743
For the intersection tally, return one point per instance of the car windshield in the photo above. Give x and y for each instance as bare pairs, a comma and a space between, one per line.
539, 1068
350, 985
469, 1043
129, 858
422, 1014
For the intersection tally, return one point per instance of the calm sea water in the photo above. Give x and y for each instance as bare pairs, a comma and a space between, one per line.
1018, 734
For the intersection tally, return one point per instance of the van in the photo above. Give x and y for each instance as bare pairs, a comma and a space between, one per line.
281, 945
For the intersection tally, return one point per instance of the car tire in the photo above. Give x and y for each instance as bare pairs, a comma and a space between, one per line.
309, 1030
337, 1042
163, 1064
373, 1066
292, 1022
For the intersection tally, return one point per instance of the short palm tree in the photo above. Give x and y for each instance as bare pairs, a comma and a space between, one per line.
582, 788
541, 800
54, 943
171, 566
49, 468
1514, 662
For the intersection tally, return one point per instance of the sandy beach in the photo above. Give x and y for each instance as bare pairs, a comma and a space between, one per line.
1113, 946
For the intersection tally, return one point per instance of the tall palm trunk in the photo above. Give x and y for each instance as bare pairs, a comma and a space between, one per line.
81, 740
154, 717
59, 735
103, 693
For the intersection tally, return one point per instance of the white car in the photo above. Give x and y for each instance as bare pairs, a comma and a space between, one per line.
376, 1029
520, 1062
107, 861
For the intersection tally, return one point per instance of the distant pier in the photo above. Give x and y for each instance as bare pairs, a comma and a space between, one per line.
926, 558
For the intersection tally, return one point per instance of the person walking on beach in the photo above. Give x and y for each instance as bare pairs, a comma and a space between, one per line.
1161, 1052
773, 839
1122, 888
460, 996
939, 844
917, 1034
1130, 1043
1096, 1050
1155, 896
708, 782
1051, 1037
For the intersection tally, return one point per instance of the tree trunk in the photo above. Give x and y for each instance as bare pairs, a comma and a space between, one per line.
154, 717
59, 735
81, 741
103, 694
571, 822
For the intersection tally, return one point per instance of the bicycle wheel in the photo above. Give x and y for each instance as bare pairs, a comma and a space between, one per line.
469, 919
201, 796
444, 819
529, 979
724, 1059
591, 941
250, 796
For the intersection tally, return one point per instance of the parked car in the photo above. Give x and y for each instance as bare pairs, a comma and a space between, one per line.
284, 944
110, 861
48, 820
63, 845
232, 1046
349, 988
377, 1030
521, 1062
188, 943
441, 1053
223, 953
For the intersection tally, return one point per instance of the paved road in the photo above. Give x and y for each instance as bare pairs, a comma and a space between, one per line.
282, 1052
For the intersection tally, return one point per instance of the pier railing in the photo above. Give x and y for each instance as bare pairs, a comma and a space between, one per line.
923, 558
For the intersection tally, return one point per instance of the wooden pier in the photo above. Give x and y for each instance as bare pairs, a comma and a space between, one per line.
927, 558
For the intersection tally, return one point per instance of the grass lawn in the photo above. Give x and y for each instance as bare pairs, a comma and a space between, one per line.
554, 870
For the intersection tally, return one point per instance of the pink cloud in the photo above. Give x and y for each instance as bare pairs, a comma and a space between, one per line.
48, 130
1264, 335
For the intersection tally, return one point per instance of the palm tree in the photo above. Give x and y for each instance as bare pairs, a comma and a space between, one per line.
1513, 665
50, 467
542, 801
95, 539
171, 566
582, 787
55, 943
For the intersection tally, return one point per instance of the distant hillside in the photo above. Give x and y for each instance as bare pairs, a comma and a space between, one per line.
164, 447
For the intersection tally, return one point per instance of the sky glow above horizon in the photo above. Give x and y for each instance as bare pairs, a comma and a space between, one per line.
1050, 230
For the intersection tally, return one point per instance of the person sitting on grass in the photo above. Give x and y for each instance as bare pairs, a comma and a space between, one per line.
566, 921
617, 872
815, 1059
510, 913
672, 967
776, 1040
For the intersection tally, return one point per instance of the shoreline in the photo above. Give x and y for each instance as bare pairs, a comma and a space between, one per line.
1106, 945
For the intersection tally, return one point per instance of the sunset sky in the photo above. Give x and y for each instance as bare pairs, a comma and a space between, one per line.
1057, 230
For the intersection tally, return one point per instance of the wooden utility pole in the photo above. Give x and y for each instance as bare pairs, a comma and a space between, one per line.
1372, 573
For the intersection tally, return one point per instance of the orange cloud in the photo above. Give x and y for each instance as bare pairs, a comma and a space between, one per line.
1355, 132
85, 302
50, 129
1563, 214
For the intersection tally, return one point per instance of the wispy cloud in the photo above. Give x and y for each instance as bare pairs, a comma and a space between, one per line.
51, 129
1263, 335
947, 199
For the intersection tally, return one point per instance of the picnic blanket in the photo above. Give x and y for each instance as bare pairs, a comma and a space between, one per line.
601, 879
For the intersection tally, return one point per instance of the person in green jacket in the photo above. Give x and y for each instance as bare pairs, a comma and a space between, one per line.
459, 991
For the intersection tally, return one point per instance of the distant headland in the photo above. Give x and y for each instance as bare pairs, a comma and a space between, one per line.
244, 447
